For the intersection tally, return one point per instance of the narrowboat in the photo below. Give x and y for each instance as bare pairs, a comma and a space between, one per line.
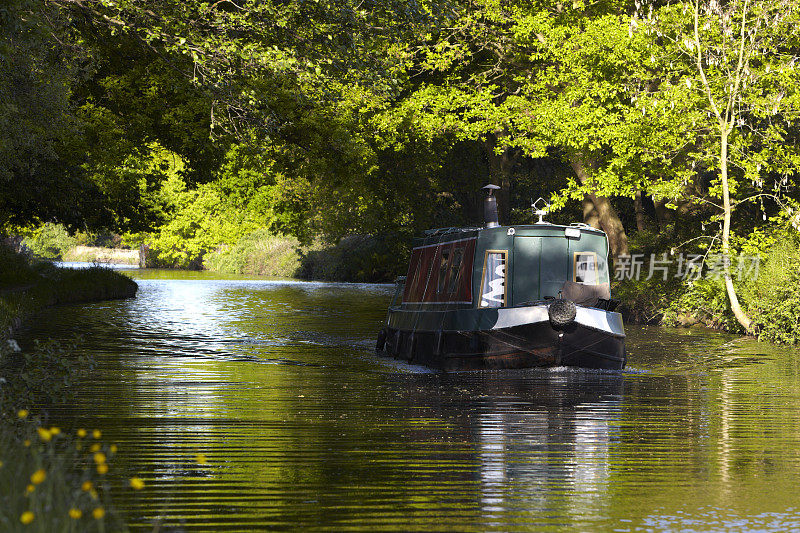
496, 297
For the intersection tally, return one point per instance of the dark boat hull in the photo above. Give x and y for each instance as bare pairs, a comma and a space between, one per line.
525, 345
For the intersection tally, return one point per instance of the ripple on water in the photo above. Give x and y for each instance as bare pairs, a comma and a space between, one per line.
275, 383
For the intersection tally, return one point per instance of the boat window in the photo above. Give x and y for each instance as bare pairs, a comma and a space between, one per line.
443, 270
455, 270
493, 286
412, 278
585, 268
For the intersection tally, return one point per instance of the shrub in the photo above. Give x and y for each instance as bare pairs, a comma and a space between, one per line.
360, 258
702, 301
259, 253
51, 241
773, 299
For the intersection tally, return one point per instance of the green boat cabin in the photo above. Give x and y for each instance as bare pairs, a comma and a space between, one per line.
506, 266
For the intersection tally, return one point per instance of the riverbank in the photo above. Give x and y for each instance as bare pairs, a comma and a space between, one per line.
97, 254
768, 291
357, 258
28, 286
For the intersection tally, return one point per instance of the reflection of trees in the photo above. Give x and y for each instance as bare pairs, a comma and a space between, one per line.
277, 386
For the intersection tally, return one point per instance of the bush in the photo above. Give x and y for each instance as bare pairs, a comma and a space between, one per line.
15, 269
359, 258
702, 301
51, 241
773, 299
259, 253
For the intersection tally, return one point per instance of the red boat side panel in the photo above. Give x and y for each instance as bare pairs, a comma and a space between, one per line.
441, 273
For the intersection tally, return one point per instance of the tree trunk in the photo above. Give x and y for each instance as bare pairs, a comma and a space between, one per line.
641, 223
740, 315
590, 215
607, 215
664, 215
501, 168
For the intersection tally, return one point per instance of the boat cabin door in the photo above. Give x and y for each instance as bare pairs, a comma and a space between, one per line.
540, 267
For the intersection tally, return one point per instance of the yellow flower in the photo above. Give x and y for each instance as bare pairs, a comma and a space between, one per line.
38, 476
22, 413
27, 442
55, 430
201, 459
26, 518
137, 483
94, 448
78, 446
75, 513
93, 494
81, 433
29, 489
97, 433
102, 468
44, 434
99, 458
98, 513
86, 486
113, 448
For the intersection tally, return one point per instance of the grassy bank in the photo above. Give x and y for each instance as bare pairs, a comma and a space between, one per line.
52, 478
97, 254
770, 296
26, 286
258, 253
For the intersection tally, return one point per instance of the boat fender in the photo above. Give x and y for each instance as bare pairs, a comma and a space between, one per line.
381, 340
562, 313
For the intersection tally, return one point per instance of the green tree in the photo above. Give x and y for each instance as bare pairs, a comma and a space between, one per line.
737, 61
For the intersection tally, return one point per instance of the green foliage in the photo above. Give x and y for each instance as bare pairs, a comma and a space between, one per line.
260, 253
42, 142
50, 241
773, 300
644, 301
355, 258
248, 194
703, 301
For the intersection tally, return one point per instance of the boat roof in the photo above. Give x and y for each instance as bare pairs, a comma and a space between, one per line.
454, 233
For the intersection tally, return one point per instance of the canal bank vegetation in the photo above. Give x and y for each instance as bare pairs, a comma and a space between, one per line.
52, 478
316, 139
29, 285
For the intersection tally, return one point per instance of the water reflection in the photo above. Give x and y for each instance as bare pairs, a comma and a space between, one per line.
546, 428
276, 384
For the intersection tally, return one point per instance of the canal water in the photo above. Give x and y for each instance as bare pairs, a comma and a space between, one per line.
277, 385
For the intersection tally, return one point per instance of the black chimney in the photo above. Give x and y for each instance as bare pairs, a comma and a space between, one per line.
490, 207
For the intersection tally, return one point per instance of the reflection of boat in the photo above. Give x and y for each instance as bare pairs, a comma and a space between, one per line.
542, 299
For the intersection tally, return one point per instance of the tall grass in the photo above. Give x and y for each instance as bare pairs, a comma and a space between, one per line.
360, 258
258, 253
51, 479
95, 254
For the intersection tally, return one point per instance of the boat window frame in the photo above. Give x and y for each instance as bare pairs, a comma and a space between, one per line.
444, 267
454, 270
504, 253
575, 268
415, 276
